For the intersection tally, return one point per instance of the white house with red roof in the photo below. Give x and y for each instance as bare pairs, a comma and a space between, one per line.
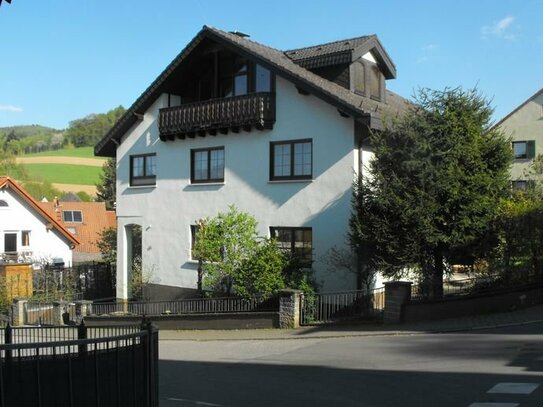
28, 233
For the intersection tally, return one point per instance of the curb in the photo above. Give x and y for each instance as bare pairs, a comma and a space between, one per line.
354, 335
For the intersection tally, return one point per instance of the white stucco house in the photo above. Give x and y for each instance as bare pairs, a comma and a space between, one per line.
525, 127
28, 233
279, 134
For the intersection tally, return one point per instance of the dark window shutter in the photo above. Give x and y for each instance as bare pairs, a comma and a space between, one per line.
530, 149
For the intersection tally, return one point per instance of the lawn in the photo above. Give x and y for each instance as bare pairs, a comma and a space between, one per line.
83, 152
65, 173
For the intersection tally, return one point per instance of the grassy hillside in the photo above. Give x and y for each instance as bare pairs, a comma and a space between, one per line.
65, 173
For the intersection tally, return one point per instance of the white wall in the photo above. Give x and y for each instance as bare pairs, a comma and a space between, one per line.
167, 210
17, 217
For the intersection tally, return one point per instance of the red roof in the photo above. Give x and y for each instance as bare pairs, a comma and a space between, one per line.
7, 182
94, 219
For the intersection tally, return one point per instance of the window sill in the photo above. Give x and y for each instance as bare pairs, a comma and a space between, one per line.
205, 184
290, 181
141, 186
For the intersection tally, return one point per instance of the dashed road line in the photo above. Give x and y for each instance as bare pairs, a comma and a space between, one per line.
513, 388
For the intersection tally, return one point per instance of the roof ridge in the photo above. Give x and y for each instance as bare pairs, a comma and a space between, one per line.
242, 38
330, 43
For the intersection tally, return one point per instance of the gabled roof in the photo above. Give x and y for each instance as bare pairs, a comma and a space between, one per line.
95, 218
360, 107
7, 182
347, 45
539, 92
343, 51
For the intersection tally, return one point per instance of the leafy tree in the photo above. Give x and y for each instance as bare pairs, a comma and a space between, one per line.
9, 167
107, 244
519, 228
90, 129
235, 259
40, 189
107, 187
433, 187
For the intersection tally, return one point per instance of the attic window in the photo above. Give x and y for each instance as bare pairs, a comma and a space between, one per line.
3, 204
359, 78
72, 216
375, 82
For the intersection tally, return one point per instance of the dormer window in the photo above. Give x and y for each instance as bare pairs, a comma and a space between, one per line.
375, 82
359, 78
72, 216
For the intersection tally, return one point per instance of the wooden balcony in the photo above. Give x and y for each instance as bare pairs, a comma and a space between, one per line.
255, 110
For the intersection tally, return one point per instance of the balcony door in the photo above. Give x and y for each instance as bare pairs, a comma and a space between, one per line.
10, 242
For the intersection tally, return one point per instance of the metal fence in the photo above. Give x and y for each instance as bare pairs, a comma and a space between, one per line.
119, 369
334, 306
189, 306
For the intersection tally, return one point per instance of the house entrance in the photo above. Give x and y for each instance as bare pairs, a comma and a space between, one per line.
10, 242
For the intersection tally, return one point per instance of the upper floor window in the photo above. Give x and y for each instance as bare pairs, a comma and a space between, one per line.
3, 204
291, 160
523, 149
143, 169
359, 77
25, 238
234, 75
207, 165
72, 216
262, 79
298, 241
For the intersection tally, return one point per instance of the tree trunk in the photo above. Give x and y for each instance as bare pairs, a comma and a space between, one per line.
437, 277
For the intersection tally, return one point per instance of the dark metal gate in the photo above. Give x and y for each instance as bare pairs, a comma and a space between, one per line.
341, 305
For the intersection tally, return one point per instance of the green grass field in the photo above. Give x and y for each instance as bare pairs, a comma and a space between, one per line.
83, 152
65, 173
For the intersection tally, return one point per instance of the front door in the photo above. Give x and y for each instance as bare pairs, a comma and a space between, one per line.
10, 242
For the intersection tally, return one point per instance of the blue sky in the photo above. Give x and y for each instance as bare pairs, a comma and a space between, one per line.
63, 59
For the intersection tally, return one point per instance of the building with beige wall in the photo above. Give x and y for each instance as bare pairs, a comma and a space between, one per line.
525, 127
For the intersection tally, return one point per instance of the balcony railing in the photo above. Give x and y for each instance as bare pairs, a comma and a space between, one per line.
16, 257
247, 111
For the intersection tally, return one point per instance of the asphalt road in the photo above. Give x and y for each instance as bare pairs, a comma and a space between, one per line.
493, 368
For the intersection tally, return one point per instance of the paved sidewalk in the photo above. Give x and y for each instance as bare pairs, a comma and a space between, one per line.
525, 316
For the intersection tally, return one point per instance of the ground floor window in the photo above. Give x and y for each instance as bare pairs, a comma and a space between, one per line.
297, 240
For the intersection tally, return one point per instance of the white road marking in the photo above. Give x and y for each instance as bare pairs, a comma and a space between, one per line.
514, 388
195, 402
493, 405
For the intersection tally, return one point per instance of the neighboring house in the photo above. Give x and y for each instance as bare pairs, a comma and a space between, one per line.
279, 134
525, 127
28, 233
84, 220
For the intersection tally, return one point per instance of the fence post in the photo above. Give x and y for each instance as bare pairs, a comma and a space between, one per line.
18, 311
152, 360
58, 311
82, 334
397, 294
82, 309
8, 339
289, 308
